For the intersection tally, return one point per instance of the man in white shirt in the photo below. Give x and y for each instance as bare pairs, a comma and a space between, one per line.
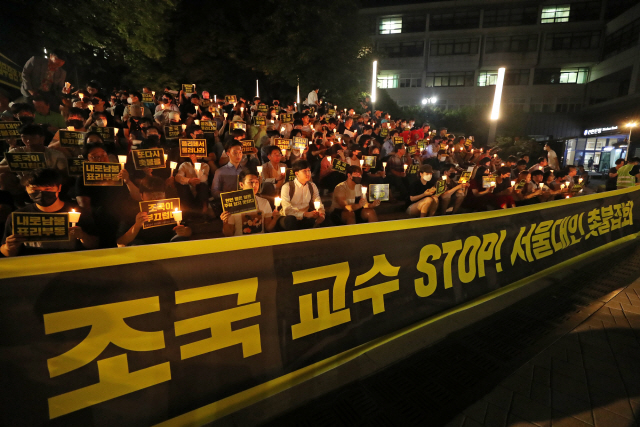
301, 202
312, 98
552, 158
344, 208
254, 222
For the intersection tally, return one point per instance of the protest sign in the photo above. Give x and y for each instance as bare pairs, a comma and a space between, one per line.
108, 134
520, 185
248, 146
260, 121
238, 125
413, 169
263, 108
22, 162
9, 129
208, 126
282, 143
188, 88
290, 175
488, 181
148, 159
172, 132
412, 149
286, 118
384, 132
339, 166
422, 145
193, 146
231, 99
205, 103
369, 161
398, 140
159, 212
101, 174
74, 166
300, 143
41, 226
238, 201
441, 187
148, 97
379, 192
69, 138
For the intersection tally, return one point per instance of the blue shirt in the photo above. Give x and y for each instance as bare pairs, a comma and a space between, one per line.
225, 179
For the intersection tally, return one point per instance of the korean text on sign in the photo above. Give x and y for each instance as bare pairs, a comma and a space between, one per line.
151, 159
159, 212
102, 174
20, 162
71, 138
41, 227
193, 146
9, 129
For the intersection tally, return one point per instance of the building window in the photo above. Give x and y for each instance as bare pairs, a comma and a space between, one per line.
516, 104
622, 39
555, 14
387, 81
390, 25
488, 78
516, 77
454, 20
525, 43
402, 49
547, 76
454, 47
505, 17
411, 80
414, 24
568, 105
450, 79
570, 41
541, 105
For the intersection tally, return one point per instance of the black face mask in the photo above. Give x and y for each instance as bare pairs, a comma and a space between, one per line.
26, 120
357, 179
44, 198
75, 123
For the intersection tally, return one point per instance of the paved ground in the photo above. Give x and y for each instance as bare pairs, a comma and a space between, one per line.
567, 356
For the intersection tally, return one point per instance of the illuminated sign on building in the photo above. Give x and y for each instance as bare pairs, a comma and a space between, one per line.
598, 131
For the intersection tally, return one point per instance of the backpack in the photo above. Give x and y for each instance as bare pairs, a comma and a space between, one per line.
292, 191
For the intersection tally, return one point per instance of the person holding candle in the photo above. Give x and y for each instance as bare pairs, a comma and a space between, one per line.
503, 191
272, 175
349, 205
192, 186
541, 165
422, 196
226, 177
253, 222
396, 175
454, 190
43, 187
32, 137
131, 231
298, 201
329, 177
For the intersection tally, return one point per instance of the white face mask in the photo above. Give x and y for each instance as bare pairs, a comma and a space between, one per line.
130, 100
101, 123
427, 177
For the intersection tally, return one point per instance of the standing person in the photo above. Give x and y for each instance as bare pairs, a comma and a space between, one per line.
45, 77
312, 98
612, 180
552, 157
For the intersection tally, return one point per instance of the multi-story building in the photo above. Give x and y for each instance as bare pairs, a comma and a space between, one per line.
572, 66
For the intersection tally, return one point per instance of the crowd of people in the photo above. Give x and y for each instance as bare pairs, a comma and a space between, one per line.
345, 153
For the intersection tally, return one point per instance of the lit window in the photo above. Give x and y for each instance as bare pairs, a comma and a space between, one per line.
555, 14
577, 75
391, 25
388, 81
488, 78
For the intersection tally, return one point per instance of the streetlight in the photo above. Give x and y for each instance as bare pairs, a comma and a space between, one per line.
630, 126
495, 110
374, 85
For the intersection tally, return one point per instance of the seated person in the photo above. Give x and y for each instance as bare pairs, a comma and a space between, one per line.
376, 174
192, 186
131, 231
329, 178
454, 191
253, 222
43, 187
33, 139
421, 194
503, 192
344, 209
271, 175
396, 175
299, 199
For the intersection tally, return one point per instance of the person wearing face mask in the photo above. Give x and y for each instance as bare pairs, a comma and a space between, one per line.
192, 186
43, 187
167, 103
349, 205
135, 99
75, 122
33, 139
45, 116
421, 194
454, 191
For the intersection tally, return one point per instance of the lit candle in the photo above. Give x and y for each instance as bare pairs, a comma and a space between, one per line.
70, 128
198, 166
115, 131
495, 155
513, 183
277, 201
197, 107
316, 113
316, 205
284, 152
122, 159
173, 166
74, 217
166, 156
361, 162
453, 149
405, 167
215, 98
184, 127
493, 183
567, 196
329, 159
153, 92
197, 122
501, 164
259, 170
384, 165
334, 131
241, 110
177, 215
580, 180
90, 107
568, 184
364, 191
562, 186
472, 151
162, 106
283, 169
81, 96
225, 115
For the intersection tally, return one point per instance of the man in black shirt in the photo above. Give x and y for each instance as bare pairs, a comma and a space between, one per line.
421, 194
613, 175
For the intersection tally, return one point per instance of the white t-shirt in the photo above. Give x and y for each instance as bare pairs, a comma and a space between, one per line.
251, 222
343, 189
312, 98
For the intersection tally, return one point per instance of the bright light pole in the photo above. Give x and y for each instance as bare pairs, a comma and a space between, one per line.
630, 126
495, 110
374, 85
257, 89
